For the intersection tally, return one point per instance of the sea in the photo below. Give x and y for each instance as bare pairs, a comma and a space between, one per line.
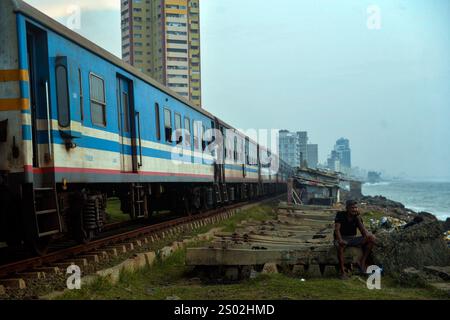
433, 197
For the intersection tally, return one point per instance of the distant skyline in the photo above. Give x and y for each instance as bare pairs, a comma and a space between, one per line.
316, 66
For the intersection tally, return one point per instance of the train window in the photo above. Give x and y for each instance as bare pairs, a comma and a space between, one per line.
187, 128
98, 100
168, 125
80, 83
203, 137
62, 89
126, 112
178, 128
247, 158
235, 149
196, 138
157, 122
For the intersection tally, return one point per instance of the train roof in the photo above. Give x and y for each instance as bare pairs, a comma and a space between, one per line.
28, 10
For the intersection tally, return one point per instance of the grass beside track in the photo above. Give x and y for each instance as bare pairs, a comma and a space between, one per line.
172, 279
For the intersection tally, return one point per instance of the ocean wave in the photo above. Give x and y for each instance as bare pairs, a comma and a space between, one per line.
384, 183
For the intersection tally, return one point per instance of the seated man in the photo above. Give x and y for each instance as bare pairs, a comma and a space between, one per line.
346, 223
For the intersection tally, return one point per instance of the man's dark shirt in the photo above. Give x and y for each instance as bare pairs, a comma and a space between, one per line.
348, 228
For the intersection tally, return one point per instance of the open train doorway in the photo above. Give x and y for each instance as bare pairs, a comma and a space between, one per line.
38, 68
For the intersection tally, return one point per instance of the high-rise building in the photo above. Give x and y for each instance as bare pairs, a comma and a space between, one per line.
342, 147
313, 155
302, 137
289, 148
293, 147
340, 158
162, 39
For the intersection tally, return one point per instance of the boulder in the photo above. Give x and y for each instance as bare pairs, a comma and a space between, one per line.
411, 277
427, 216
417, 246
447, 224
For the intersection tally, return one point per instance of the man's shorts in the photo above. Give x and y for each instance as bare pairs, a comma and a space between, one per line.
352, 241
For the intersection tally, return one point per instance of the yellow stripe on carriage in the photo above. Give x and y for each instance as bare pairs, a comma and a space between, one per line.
14, 104
14, 75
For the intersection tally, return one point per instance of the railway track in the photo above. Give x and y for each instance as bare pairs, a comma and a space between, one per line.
11, 274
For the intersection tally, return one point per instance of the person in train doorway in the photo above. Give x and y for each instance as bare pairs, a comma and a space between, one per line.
346, 224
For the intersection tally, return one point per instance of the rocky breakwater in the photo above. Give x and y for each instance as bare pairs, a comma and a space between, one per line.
417, 246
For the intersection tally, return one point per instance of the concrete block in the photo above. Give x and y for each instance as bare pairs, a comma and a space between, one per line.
150, 257
177, 245
270, 268
137, 243
13, 283
111, 274
313, 271
64, 265
232, 274
165, 252
128, 265
111, 252
81, 262
49, 270
119, 248
32, 275
129, 246
140, 261
2, 290
103, 255
330, 271
87, 280
92, 258
442, 272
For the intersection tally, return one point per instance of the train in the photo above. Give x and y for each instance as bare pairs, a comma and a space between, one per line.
78, 125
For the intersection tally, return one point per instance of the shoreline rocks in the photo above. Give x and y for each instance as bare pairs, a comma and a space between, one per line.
417, 246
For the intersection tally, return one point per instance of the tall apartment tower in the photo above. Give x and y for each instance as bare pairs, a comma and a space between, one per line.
302, 137
313, 155
289, 148
342, 147
162, 39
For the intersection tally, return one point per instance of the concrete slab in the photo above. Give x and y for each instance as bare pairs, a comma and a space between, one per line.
313, 271
13, 283
443, 286
150, 257
165, 252
103, 255
129, 246
32, 275
111, 274
270, 268
119, 249
49, 270
92, 258
442, 272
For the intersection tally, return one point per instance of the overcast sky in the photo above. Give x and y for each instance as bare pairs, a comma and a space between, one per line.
314, 65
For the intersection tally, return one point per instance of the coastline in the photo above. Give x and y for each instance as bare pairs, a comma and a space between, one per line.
417, 196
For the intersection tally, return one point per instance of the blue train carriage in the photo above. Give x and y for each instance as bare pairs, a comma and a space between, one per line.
240, 165
78, 125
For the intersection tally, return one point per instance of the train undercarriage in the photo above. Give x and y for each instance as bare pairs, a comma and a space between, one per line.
36, 217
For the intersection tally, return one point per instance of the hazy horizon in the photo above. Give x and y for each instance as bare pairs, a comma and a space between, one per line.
316, 66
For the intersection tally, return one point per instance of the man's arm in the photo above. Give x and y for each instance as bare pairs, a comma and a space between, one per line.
362, 228
337, 232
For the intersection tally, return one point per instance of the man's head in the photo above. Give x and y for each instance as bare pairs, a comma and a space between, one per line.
352, 207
